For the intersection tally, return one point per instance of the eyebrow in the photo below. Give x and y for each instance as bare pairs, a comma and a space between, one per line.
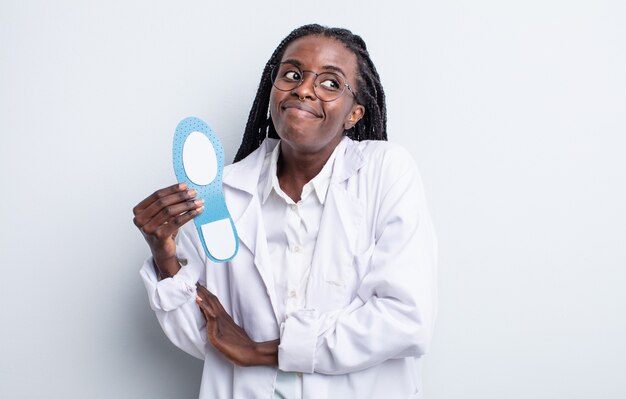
325, 67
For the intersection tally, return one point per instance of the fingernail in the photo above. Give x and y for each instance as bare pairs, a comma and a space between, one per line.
198, 299
182, 186
193, 192
200, 209
199, 201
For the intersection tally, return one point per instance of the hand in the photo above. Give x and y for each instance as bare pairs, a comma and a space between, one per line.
159, 217
230, 339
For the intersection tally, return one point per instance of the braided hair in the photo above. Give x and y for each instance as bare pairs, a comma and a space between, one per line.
370, 94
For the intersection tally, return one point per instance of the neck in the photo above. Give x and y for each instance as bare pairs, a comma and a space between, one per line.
294, 170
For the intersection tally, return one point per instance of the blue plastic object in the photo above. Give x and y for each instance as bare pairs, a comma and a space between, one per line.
204, 160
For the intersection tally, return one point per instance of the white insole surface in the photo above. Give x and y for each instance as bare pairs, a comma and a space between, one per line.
199, 159
219, 238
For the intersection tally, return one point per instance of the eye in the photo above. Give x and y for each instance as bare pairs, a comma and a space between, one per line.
332, 83
292, 75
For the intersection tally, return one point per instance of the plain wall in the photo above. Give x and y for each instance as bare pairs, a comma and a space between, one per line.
514, 111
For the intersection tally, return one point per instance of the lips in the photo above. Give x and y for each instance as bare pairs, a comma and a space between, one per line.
298, 105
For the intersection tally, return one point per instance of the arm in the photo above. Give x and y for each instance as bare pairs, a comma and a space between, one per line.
230, 339
173, 301
171, 288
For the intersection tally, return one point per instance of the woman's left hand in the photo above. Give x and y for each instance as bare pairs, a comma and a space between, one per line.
230, 339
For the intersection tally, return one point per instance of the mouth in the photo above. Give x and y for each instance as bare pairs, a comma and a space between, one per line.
301, 109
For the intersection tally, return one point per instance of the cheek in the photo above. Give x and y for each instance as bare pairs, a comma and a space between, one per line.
276, 97
340, 113
273, 102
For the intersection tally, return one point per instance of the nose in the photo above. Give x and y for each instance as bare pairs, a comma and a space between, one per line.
306, 89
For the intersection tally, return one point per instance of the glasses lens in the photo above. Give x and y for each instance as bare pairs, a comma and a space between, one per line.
329, 86
286, 76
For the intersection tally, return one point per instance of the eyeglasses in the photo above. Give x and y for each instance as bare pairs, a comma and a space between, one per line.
328, 86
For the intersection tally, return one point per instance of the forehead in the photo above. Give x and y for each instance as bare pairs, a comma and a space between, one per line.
316, 52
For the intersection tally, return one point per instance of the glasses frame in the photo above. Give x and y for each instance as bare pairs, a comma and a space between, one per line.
302, 72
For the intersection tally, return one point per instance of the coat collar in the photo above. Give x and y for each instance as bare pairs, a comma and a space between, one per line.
244, 175
349, 160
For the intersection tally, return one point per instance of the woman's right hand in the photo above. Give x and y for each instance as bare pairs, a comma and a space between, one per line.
159, 217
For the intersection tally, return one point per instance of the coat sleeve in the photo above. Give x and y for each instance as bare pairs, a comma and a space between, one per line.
393, 312
173, 299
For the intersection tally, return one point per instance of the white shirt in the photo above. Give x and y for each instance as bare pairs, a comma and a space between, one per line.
370, 300
291, 230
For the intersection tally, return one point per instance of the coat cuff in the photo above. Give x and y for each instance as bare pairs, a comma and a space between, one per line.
298, 341
172, 292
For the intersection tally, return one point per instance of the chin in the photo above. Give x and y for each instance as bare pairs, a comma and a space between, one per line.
300, 141
297, 133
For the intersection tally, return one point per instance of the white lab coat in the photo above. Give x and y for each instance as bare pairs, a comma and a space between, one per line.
370, 298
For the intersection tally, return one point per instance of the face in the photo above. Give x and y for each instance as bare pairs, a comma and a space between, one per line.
306, 124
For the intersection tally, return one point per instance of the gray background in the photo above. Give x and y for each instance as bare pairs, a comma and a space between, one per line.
515, 112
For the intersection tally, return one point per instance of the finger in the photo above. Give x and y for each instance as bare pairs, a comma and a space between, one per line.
167, 230
213, 333
168, 200
206, 315
206, 299
209, 295
216, 304
201, 292
212, 328
204, 292
211, 301
206, 319
149, 212
158, 194
170, 212
201, 288
208, 312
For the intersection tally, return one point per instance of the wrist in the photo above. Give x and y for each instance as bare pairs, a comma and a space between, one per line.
265, 353
166, 266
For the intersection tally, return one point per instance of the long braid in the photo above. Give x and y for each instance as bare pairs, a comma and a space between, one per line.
370, 93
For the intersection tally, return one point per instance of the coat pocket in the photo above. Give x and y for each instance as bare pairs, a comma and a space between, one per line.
341, 282
338, 286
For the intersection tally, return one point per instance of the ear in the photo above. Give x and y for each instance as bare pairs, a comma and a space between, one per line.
354, 116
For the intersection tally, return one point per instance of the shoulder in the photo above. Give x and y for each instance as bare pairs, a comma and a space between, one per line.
387, 170
385, 157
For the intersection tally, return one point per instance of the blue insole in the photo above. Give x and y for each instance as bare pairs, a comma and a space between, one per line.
197, 148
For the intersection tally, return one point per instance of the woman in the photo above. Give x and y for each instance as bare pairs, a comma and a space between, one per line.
332, 293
